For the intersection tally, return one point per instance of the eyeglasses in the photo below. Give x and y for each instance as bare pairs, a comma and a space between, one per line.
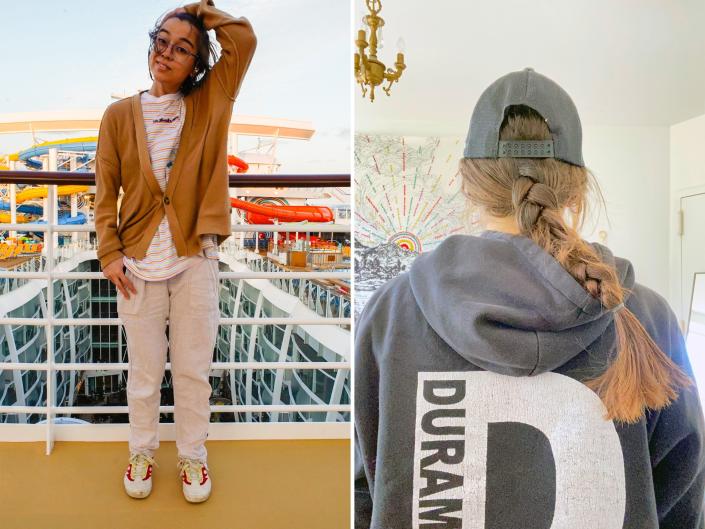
181, 54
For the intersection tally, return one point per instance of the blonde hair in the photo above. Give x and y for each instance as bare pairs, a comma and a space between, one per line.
536, 191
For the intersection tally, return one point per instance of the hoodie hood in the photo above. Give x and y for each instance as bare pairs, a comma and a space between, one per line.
506, 305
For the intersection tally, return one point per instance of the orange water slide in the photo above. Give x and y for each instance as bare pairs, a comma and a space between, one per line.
241, 165
263, 214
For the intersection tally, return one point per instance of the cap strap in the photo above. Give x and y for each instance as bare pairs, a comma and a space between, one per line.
526, 149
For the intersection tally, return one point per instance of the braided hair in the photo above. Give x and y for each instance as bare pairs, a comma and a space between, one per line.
536, 193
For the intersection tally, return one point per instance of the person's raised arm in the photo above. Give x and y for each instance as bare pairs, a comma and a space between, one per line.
237, 41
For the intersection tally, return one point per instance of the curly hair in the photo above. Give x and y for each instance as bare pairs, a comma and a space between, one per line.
536, 192
205, 51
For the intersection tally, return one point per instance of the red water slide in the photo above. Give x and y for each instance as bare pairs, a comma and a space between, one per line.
239, 163
264, 214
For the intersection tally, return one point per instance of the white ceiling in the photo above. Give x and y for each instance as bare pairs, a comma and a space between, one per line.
624, 62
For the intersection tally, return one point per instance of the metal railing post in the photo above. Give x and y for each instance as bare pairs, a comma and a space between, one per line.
49, 328
278, 382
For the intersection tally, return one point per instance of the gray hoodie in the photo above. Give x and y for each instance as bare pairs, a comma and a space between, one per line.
470, 411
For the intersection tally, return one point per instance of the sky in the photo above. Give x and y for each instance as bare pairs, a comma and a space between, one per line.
74, 54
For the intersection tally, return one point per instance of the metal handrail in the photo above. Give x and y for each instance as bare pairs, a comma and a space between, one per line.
222, 275
217, 408
123, 366
248, 228
225, 321
235, 180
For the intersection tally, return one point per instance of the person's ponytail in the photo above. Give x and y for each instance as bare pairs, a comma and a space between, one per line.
536, 192
640, 376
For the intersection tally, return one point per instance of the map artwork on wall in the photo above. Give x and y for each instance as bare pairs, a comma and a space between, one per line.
407, 200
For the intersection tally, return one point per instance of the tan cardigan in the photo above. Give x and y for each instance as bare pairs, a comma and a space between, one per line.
196, 199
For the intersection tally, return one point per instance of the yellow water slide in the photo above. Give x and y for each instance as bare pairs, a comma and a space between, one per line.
5, 217
8, 158
41, 192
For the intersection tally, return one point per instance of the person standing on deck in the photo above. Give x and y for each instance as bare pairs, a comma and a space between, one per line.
167, 148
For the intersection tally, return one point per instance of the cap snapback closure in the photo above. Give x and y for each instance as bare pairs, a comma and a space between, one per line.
526, 149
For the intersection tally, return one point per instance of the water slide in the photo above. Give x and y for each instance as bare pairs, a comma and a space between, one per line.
12, 158
41, 192
25, 212
5, 217
241, 164
31, 209
85, 144
80, 218
264, 214
29, 156
35, 192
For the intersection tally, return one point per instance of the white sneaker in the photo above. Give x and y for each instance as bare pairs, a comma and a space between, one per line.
195, 481
138, 476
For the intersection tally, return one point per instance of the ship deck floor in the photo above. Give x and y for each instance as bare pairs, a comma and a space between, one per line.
282, 484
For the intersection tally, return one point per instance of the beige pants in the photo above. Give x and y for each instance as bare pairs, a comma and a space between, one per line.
190, 301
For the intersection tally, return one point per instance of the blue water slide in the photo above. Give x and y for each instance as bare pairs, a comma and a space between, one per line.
29, 209
80, 218
27, 156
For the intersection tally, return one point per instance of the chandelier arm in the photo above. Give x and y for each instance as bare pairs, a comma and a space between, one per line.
392, 74
388, 88
374, 6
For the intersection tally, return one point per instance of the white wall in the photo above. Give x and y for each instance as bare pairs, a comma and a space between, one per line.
687, 176
631, 165
644, 172
687, 147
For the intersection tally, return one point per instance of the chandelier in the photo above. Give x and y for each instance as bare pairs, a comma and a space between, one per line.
370, 72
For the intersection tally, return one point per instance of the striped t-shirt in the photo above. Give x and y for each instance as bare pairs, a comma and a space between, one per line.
163, 120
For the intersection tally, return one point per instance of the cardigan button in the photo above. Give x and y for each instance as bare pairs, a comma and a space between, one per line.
166, 200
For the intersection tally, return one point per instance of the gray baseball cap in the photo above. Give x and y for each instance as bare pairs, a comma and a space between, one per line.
525, 87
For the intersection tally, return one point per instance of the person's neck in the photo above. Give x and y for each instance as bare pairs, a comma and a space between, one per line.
503, 224
159, 89
509, 224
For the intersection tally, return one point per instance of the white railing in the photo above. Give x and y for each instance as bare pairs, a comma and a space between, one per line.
112, 432
309, 293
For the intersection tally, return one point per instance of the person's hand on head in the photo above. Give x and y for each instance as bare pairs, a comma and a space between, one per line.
113, 271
